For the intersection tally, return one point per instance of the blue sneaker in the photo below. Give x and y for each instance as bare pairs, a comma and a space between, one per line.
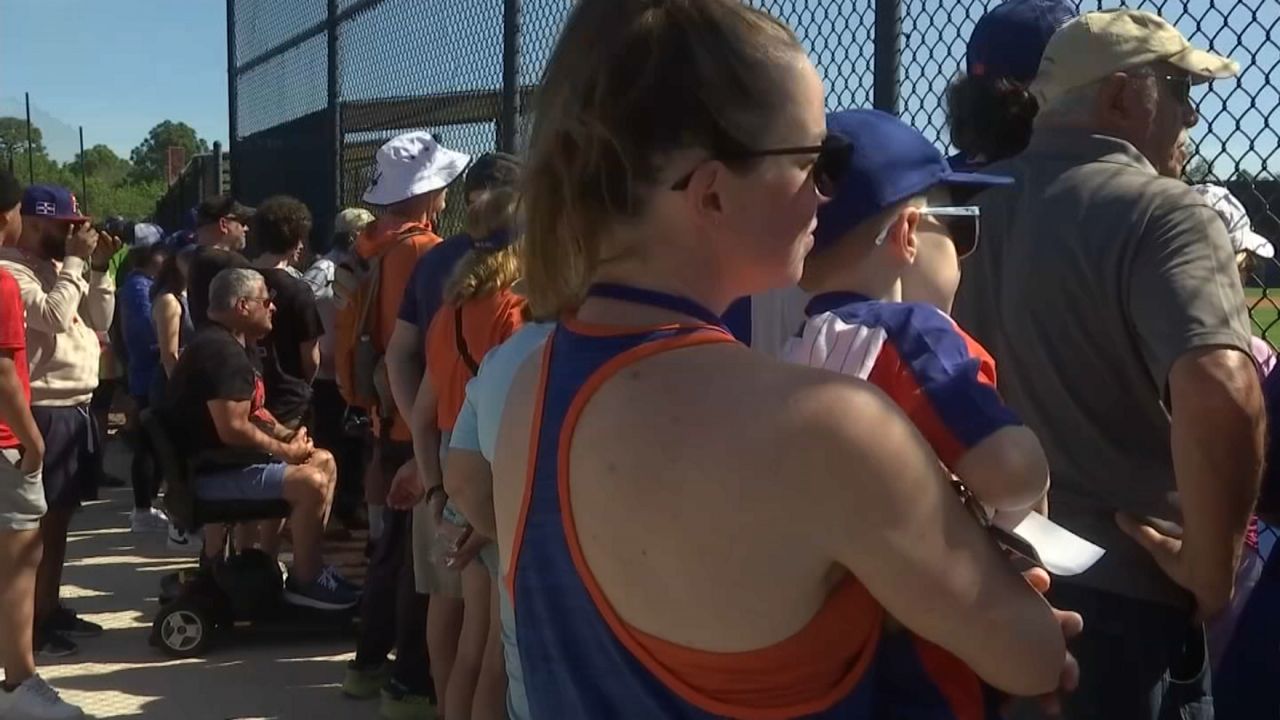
342, 581
323, 593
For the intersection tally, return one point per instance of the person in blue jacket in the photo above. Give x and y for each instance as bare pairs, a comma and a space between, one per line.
134, 303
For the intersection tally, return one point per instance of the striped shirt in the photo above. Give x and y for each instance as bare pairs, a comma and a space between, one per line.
942, 379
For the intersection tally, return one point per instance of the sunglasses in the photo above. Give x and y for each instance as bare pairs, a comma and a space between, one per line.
961, 222
1180, 85
829, 167
267, 301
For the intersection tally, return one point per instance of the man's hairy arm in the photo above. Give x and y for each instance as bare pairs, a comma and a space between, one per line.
236, 429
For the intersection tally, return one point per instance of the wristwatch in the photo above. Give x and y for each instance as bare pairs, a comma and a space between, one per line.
431, 493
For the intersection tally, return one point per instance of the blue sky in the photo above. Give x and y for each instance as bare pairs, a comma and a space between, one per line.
117, 67
124, 65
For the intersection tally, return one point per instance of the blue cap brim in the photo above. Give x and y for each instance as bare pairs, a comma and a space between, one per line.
974, 179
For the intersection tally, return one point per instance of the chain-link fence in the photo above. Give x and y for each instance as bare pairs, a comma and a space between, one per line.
317, 85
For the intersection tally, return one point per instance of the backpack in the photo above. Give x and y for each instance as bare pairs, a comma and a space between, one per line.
357, 355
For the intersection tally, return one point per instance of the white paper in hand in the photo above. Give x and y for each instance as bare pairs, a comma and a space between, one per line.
1061, 551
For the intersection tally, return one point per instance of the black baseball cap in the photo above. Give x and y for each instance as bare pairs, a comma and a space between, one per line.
492, 170
219, 207
10, 191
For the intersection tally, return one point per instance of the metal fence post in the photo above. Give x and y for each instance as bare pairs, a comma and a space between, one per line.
217, 168
84, 173
233, 75
335, 114
888, 56
510, 111
31, 160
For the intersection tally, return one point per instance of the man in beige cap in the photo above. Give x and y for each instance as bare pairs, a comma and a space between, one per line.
1107, 292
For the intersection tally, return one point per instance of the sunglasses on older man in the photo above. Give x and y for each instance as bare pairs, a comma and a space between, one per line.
831, 164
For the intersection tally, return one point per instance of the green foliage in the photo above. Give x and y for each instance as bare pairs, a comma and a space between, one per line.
101, 162
110, 185
150, 156
13, 137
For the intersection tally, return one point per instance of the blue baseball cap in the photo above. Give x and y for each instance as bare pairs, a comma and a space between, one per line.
889, 162
51, 201
1009, 40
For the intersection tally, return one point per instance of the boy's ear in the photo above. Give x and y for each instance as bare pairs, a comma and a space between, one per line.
902, 233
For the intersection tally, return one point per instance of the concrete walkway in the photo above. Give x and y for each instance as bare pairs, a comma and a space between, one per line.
112, 578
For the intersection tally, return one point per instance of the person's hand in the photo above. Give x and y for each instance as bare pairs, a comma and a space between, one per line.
82, 241
1161, 543
465, 549
102, 252
32, 458
406, 488
298, 450
1071, 625
1069, 679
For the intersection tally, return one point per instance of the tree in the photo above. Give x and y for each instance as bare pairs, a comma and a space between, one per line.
150, 158
101, 162
13, 136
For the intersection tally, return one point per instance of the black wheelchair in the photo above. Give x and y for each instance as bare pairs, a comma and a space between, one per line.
200, 606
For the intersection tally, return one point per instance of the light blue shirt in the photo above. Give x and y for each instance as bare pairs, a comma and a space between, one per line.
476, 428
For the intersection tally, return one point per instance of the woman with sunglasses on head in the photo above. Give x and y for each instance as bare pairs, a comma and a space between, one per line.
691, 529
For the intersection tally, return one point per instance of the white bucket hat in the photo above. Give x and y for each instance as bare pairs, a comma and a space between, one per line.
412, 164
1236, 218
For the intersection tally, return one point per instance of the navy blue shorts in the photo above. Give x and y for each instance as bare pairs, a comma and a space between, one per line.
72, 454
264, 481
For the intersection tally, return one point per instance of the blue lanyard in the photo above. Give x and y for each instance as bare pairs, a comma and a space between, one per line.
656, 299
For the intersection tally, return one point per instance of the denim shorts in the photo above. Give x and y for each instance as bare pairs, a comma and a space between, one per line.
264, 481
22, 501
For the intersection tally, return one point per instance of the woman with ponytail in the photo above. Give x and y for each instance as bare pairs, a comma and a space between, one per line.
689, 529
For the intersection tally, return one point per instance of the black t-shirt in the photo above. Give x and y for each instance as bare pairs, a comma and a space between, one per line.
213, 366
205, 266
296, 321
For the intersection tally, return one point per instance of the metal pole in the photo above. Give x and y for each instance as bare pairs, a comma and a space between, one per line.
218, 168
232, 75
888, 55
84, 173
510, 112
31, 161
334, 117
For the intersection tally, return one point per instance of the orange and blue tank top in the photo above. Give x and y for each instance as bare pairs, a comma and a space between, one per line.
581, 660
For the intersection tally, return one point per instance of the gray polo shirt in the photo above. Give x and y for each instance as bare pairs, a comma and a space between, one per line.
1093, 276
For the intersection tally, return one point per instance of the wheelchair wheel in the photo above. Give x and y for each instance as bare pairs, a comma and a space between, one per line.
183, 629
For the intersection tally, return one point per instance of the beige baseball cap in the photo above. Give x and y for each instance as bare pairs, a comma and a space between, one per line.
1097, 44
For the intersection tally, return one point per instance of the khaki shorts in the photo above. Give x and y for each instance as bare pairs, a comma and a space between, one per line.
22, 502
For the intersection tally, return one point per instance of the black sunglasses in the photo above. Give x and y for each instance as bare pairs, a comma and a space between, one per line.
1179, 84
828, 169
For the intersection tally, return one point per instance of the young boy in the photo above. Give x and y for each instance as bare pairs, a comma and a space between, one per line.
24, 695
884, 269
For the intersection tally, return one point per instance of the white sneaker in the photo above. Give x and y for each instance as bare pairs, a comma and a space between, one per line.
148, 521
181, 542
35, 700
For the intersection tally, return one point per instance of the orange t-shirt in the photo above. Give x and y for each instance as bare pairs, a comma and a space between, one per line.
401, 250
486, 323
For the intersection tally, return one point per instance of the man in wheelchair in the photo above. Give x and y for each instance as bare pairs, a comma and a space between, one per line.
213, 410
